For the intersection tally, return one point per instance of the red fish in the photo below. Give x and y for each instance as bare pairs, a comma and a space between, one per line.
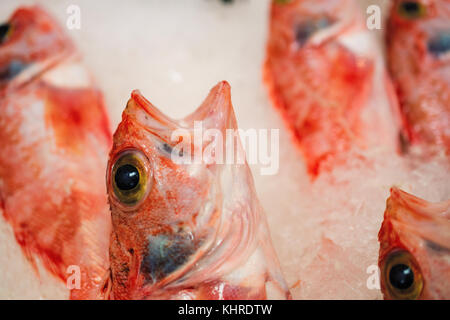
320, 84
418, 52
415, 248
55, 138
185, 230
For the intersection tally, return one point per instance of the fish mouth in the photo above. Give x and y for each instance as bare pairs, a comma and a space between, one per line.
216, 103
215, 112
439, 44
138, 103
429, 221
149, 118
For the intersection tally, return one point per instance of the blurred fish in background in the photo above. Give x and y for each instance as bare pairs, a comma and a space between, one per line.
55, 137
414, 237
322, 75
418, 46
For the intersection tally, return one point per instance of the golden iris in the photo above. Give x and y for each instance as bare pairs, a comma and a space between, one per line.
282, 1
402, 276
411, 9
130, 178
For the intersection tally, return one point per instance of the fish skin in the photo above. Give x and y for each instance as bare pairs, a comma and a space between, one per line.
206, 216
421, 228
421, 78
320, 85
55, 136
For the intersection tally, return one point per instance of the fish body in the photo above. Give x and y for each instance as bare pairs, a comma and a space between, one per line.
191, 230
322, 74
414, 256
55, 138
418, 44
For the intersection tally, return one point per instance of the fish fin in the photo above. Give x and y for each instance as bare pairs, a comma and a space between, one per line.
27, 251
105, 288
404, 132
2, 205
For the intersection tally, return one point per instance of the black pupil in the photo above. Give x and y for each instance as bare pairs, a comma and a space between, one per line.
410, 7
4, 28
127, 177
401, 276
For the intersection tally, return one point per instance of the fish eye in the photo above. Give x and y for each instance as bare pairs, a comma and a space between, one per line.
411, 9
402, 276
130, 177
282, 1
5, 31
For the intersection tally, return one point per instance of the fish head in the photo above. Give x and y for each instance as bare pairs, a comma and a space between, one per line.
163, 204
30, 39
418, 42
415, 248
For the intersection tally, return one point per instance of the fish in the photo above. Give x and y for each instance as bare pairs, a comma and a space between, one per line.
418, 46
55, 136
328, 81
185, 229
414, 256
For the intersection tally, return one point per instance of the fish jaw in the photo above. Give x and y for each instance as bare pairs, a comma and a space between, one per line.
422, 230
420, 74
198, 232
320, 87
